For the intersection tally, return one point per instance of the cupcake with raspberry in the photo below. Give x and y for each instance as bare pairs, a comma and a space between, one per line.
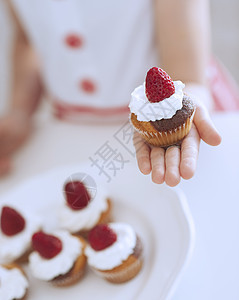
13, 282
16, 229
84, 206
114, 252
57, 258
160, 111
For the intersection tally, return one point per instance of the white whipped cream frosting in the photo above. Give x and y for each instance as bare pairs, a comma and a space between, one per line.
86, 218
12, 247
13, 284
165, 109
47, 269
118, 252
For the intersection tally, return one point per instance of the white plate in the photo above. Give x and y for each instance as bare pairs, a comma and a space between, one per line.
160, 215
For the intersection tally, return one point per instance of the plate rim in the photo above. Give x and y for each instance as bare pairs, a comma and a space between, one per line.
191, 242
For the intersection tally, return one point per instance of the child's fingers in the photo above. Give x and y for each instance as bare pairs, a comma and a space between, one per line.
189, 153
205, 127
172, 161
142, 154
158, 164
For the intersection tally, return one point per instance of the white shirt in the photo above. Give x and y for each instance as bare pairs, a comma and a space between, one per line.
93, 52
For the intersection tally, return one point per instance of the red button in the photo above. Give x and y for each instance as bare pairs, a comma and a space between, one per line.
88, 86
73, 40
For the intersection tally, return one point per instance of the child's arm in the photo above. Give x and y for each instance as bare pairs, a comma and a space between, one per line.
25, 95
182, 33
183, 40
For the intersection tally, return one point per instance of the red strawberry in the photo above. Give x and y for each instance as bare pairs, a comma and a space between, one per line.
101, 237
159, 85
77, 196
11, 221
48, 246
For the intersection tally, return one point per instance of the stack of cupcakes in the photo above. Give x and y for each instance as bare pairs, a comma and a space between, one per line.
84, 234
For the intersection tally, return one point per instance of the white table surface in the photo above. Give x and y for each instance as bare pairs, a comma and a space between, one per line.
212, 194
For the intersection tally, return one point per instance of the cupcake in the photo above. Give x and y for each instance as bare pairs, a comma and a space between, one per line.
114, 252
84, 206
57, 258
160, 111
13, 283
16, 229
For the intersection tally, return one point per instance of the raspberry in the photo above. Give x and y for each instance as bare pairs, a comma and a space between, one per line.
101, 237
159, 85
77, 196
11, 221
48, 246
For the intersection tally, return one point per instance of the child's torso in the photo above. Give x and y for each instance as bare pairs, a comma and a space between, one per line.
93, 53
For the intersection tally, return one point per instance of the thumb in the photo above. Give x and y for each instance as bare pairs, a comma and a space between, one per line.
205, 126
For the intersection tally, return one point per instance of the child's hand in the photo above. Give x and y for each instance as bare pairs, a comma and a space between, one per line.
14, 129
172, 164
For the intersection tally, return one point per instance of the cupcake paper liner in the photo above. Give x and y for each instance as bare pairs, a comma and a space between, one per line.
68, 280
126, 273
165, 138
75, 273
128, 269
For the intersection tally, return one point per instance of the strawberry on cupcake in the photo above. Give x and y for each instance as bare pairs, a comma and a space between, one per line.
16, 229
160, 111
83, 207
114, 252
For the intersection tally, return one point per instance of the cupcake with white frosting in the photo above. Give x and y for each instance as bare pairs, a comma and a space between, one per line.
13, 282
160, 111
84, 206
16, 229
57, 258
114, 252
